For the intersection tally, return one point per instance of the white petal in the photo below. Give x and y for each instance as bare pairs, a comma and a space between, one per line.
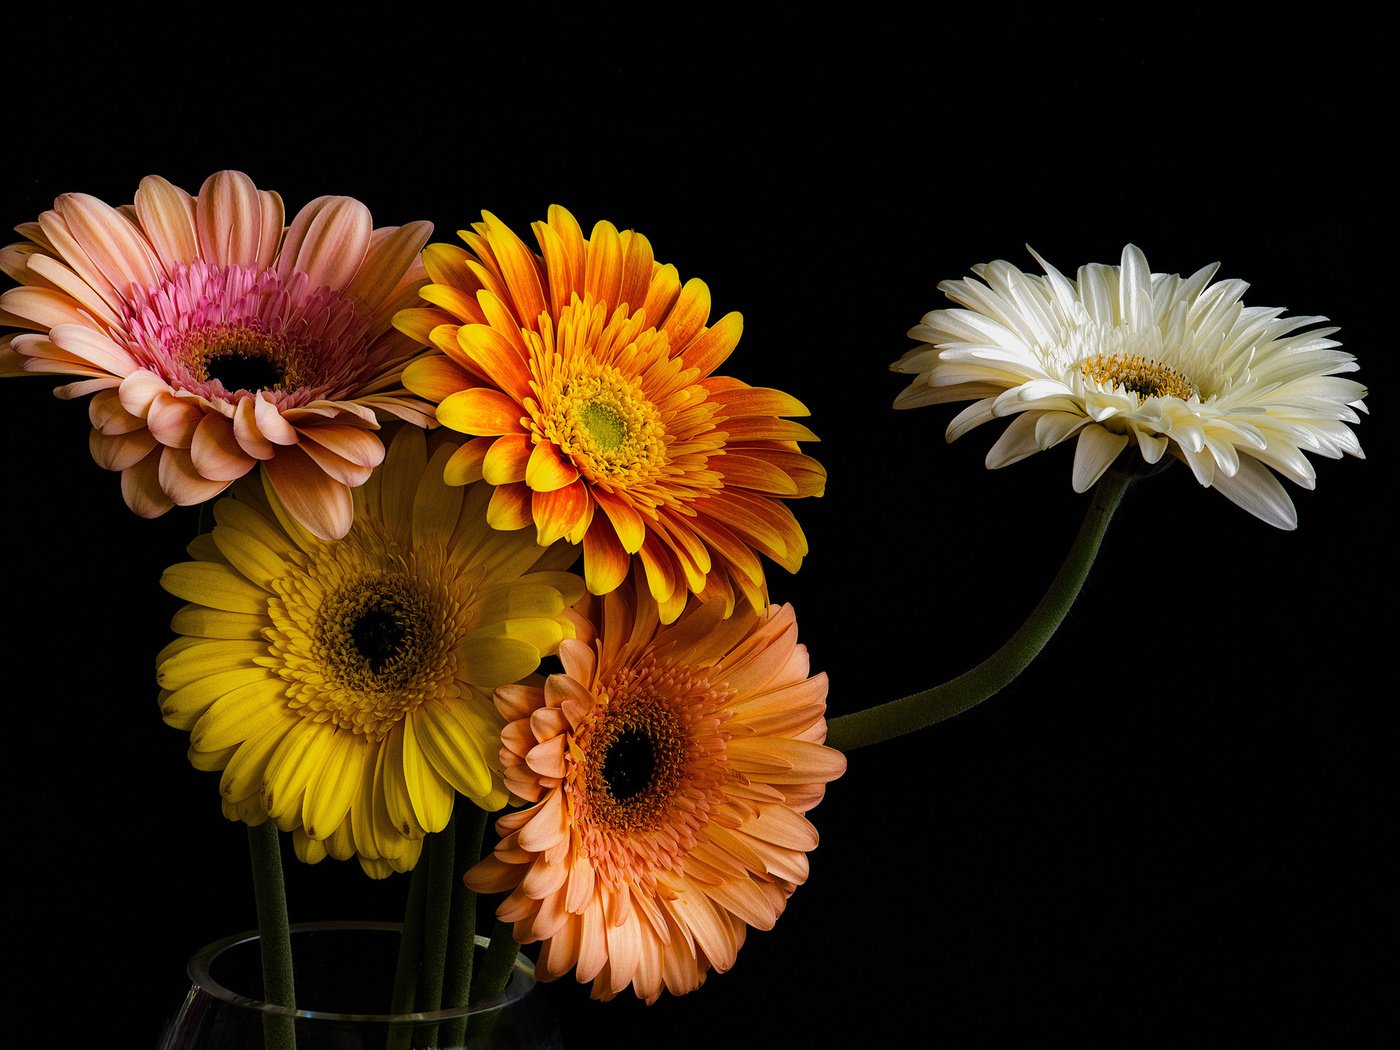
1096, 449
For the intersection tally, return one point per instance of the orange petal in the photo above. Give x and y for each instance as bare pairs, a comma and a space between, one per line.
437, 378
548, 469
605, 562
715, 344
506, 460
465, 465
509, 508
481, 412
562, 514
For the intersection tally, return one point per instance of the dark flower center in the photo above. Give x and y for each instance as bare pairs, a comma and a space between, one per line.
628, 764
241, 369
381, 633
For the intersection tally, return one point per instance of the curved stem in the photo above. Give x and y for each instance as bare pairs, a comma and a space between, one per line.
931, 706
274, 933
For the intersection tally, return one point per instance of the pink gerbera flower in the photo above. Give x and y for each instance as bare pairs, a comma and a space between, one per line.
214, 340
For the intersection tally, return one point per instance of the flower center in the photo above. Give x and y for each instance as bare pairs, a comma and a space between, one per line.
226, 332
606, 426
1137, 374
240, 357
636, 760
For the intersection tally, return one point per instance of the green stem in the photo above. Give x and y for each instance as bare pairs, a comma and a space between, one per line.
437, 912
491, 977
274, 934
497, 963
861, 728
410, 949
461, 945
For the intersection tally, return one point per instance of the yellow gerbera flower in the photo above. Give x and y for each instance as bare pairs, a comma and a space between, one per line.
343, 686
669, 767
587, 375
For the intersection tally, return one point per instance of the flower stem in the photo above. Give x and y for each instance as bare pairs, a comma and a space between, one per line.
437, 913
274, 934
410, 951
492, 976
461, 945
931, 706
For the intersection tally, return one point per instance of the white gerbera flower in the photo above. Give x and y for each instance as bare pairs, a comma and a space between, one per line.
1122, 354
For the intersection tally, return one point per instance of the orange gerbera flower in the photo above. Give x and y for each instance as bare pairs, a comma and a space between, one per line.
670, 768
213, 340
587, 375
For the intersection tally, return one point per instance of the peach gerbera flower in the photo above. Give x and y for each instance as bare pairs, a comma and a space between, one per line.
670, 768
214, 340
587, 375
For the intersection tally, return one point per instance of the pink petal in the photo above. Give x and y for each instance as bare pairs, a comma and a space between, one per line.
113, 243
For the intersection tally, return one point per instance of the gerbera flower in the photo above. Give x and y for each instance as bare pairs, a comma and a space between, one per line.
343, 686
1125, 356
587, 375
213, 340
669, 769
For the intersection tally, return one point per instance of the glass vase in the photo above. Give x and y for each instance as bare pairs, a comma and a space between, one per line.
344, 976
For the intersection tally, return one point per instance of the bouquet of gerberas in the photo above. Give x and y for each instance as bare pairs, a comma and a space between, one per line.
431, 467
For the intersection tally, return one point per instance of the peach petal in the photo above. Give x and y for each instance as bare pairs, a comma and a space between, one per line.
229, 220
327, 241
216, 452
182, 482
90, 345
43, 308
120, 451
106, 414
245, 431
271, 423
173, 419
391, 252
167, 215
110, 240
139, 390
320, 504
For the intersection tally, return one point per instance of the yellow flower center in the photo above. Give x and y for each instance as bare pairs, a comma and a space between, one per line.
602, 421
1138, 374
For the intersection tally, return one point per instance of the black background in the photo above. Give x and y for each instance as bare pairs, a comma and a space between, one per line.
1173, 824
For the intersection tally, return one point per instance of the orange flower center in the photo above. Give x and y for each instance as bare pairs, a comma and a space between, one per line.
648, 766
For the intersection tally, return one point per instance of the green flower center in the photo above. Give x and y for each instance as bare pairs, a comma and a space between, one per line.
605, 426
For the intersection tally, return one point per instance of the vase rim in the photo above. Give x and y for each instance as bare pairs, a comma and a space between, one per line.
522, 978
